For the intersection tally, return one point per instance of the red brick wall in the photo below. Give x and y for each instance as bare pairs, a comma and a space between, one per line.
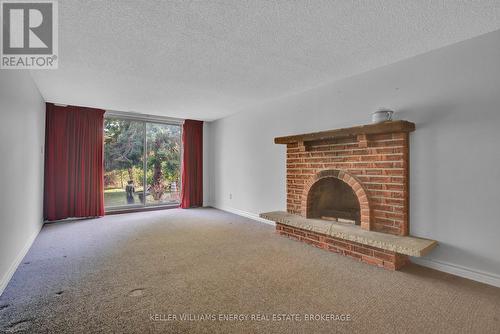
378, 162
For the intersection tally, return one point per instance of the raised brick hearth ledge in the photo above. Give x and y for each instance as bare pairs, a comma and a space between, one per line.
406, 245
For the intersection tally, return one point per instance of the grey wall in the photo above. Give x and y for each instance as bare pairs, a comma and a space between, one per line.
453, 96
22, 129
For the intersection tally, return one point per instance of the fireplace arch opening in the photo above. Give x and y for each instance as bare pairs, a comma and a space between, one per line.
332, 199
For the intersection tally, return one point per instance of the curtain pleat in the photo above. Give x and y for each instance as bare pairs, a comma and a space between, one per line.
192, 164
74, 184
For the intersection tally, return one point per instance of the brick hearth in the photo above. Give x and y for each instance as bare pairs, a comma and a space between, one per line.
368, 254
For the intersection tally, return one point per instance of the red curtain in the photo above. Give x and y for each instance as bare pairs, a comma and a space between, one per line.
192, 164
74, 185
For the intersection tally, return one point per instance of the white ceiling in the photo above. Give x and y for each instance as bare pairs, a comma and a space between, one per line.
209, 59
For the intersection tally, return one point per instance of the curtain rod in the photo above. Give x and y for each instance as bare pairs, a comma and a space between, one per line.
132, 115
144, 117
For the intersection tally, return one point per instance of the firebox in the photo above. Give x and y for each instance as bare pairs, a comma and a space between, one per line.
334, 200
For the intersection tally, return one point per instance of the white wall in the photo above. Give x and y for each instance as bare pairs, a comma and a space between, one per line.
207, 164
22, 129
453, 96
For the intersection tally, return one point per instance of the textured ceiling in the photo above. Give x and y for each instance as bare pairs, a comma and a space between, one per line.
209, 59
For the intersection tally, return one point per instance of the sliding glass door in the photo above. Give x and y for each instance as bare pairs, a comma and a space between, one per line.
142, 163
163, 163
123, 162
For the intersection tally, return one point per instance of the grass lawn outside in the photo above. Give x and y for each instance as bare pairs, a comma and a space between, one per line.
117, 197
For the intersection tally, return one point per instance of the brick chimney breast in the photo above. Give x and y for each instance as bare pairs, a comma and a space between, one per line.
373, 160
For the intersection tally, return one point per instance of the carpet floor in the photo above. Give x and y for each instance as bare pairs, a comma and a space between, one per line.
208, 271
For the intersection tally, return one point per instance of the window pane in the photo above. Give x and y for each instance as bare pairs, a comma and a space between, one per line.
163, 163
123, 162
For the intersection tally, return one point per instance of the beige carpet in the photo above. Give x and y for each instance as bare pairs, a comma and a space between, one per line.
116, 274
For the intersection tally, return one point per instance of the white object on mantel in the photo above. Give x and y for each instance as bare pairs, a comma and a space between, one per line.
382, 115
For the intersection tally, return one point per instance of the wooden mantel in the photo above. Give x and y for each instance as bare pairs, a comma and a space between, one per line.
384, 127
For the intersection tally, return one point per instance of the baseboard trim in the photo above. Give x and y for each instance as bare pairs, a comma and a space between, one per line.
245, 214
20, 256
472, 274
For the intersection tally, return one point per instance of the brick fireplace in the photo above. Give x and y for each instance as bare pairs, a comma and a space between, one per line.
347, 192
